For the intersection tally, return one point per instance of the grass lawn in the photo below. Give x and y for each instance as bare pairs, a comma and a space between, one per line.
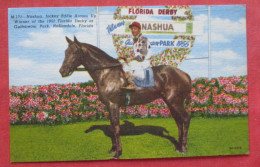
141, 138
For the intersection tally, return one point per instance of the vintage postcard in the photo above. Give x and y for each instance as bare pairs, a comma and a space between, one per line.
127, 82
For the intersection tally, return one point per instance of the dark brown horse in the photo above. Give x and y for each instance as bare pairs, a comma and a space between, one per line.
171, 84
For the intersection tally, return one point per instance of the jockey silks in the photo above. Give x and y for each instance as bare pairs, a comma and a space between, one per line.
142, 55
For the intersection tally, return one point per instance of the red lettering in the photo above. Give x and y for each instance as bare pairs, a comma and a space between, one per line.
167, 12
130, 11
159, 12
175, 11
141, 11
151, 12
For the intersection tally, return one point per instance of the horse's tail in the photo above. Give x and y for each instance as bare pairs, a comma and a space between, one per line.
188, 95
188, 100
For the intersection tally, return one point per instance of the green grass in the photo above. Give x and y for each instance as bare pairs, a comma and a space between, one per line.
207, 137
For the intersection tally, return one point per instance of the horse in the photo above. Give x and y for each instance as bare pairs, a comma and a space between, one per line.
170, 84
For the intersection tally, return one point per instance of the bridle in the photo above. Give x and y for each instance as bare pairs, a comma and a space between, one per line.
93, 68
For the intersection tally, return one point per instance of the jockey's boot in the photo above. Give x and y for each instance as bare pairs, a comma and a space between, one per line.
130, 84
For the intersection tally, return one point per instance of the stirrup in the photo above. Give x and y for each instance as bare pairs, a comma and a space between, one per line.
129, 87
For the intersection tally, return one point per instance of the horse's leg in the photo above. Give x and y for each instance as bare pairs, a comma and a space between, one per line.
182, 120
113, 139
185, 122
179, 124
186, 118
115, 129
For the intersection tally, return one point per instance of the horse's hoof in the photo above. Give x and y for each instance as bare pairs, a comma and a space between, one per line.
115, 157
181, 150
112, 152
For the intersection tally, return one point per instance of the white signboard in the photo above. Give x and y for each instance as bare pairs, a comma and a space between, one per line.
153, 11
158, 27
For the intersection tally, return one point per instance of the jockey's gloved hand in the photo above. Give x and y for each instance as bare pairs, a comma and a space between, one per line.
121, 58
139, 58
143, 50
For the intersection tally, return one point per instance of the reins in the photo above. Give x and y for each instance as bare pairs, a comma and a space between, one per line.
93, 68
97, 68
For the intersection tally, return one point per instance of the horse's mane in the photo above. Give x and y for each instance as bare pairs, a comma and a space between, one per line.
99, 55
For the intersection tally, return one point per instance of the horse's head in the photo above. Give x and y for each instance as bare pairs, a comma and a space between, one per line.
73, 57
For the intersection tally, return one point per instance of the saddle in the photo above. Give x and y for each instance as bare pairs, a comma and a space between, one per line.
148, 81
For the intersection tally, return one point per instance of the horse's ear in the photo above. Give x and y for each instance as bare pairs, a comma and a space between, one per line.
76, 40
68, 40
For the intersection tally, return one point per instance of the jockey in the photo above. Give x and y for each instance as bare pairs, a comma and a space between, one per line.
134, 66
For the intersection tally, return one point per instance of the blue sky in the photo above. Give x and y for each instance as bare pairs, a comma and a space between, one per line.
35, 55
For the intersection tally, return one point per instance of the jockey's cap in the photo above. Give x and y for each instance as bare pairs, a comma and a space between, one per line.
135, 23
